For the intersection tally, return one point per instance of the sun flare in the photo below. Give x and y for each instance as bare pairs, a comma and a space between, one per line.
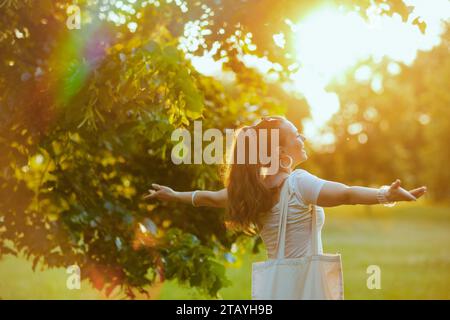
330, 41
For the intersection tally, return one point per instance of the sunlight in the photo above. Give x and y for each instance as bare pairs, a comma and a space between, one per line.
327, 44
330, 41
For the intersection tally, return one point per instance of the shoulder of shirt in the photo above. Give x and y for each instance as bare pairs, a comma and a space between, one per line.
295, 174
293, 182
298, 172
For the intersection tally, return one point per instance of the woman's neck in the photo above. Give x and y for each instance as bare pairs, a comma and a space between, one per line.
275, 180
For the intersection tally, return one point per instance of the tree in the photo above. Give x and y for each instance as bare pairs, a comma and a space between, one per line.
397, 130
85, 124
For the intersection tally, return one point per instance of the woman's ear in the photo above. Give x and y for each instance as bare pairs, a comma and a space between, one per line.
278, 151
281, 151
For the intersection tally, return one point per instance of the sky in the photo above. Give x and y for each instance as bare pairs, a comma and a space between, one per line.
329, 41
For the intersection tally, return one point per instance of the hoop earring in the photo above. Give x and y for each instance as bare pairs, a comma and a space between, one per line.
289, 165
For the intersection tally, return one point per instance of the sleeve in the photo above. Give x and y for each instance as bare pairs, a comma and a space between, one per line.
307, 186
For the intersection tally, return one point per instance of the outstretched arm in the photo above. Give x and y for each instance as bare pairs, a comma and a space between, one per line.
334, 194
203, 198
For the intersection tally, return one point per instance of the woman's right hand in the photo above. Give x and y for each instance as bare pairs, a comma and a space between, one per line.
161, 193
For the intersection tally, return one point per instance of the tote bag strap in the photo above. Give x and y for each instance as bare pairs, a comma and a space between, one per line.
284, 201
314, 233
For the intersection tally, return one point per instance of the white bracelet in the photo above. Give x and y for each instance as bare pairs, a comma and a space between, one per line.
381, 197
192, 198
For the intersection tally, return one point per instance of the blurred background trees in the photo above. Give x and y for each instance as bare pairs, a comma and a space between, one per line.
400, 129
86, 118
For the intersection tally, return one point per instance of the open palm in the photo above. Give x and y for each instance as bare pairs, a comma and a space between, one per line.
397, 193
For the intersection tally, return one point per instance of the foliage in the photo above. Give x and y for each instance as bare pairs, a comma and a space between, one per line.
399, 130
85, 123
85, 128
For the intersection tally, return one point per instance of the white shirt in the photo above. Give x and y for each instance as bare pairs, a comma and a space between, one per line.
304, 190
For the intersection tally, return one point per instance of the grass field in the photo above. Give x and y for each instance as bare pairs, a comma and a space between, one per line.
410, 243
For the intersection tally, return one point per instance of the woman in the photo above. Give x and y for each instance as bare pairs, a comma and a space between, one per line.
252, 197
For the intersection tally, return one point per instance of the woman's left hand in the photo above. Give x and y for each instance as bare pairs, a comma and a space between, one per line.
397, 193
160, 192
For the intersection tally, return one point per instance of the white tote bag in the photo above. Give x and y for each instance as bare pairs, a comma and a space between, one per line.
315, 277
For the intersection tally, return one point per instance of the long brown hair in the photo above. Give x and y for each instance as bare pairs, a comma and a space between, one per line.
248, 197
